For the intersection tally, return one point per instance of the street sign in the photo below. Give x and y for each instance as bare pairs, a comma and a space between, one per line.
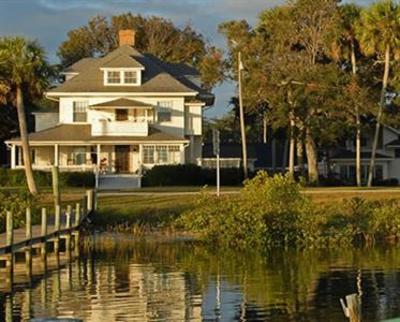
216, 141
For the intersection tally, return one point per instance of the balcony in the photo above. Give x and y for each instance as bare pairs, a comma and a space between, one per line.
120, 128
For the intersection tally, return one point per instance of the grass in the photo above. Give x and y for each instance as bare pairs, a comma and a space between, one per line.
141, 214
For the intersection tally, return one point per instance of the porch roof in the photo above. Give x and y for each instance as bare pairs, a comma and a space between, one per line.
82, 134
122, 103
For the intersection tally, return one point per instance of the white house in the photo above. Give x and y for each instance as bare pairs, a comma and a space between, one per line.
387, 164
121, 113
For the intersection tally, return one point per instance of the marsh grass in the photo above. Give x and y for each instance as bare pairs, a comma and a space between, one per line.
141, 215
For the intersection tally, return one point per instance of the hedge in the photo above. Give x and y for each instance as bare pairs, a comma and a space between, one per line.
190, 175
16, 178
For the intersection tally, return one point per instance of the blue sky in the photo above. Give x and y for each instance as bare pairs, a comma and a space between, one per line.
48, 21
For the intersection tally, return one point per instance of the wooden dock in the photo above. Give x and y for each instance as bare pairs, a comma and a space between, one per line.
58, 233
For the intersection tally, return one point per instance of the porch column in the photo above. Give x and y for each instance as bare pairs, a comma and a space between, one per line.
98, 155
13, 156
19, 156
182, 150
56, 156
140, 158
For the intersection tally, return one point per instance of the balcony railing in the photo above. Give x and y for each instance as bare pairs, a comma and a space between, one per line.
120, 128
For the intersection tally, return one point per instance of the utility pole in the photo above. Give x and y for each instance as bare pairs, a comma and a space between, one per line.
242, 125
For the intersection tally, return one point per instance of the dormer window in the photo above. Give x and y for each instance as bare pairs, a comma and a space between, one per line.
123, 77
113, 77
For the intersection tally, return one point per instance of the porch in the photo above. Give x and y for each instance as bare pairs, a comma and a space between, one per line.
107, 158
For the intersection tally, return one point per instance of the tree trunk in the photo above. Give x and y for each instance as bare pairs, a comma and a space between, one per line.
242, 125
265, 130
26, 151
292, 145
311, 152
358, 123
300, 153
379, 116
292, 138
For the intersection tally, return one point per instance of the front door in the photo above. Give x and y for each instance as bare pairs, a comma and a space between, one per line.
121, 115
122, 158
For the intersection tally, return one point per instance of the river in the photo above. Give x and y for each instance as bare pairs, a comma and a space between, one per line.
115, 278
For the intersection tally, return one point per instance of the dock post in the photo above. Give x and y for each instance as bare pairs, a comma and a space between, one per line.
353, 309
89, 195
68, 226
9, 243
56, 186
44, 231
57, 220
28, 236
77, 214
10, 240
76, 224
10, 230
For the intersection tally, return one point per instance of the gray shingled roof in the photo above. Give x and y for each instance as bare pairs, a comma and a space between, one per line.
156, 78
122, 102
82, 133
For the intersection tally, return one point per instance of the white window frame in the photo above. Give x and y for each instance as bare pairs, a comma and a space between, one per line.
166, 108
122, 76
81, 103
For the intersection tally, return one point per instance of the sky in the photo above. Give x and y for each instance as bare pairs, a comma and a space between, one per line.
48, 21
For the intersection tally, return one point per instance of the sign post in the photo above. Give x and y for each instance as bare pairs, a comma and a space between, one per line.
216, 149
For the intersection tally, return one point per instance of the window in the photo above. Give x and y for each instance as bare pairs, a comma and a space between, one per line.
162, 153
113, 77
80, 113
122, 77
397, 153
378, 172
148, 154
164, 111
130, 77
78, 156
121, 115
174, 154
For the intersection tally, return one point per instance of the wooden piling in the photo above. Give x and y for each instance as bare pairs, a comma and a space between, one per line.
68, 226
77, 214
56, 186
44, 231
353, 309
9, 243
89, 195
57, 226
28, 224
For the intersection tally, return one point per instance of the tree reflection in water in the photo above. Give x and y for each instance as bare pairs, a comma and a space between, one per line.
117, 279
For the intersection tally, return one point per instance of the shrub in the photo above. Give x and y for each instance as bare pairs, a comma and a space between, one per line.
173, 175
16, 202
190, 175
391, 182
269, 211
16, 178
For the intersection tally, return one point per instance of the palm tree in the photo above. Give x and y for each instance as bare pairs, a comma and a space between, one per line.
350, 14
379, 35
24, 69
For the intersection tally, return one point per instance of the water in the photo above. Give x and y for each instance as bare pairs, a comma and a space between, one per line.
119, 280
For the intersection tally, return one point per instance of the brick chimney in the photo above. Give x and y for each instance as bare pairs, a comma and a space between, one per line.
127, 37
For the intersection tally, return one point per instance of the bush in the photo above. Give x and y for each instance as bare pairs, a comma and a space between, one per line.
16, 202
173, 175
190, 175
269, 211
391, 182
272, 211
16, 178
